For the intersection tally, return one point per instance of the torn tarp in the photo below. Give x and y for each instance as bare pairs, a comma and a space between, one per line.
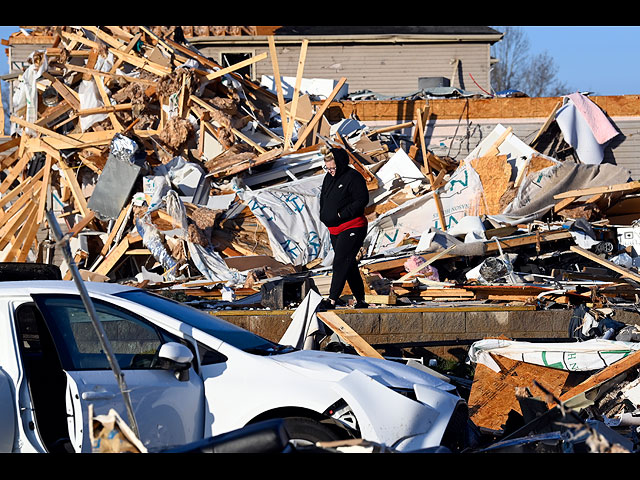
291, 215
593, 354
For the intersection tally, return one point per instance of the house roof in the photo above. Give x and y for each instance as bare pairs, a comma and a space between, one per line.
385, 30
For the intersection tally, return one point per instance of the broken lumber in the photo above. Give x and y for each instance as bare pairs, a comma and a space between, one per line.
616, 268
346, 333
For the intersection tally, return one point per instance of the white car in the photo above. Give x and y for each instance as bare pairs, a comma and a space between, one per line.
211, 377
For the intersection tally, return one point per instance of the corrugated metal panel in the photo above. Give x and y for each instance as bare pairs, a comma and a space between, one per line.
391, 70
20, 53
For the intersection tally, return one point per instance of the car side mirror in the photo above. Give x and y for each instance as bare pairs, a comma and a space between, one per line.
177, 357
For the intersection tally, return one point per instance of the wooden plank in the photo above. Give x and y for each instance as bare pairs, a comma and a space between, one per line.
494, 394
76, 191
612, 371
562, 204
42, 201
236, 66
547, 122
112, 258
296, 92
436, 196
14, 172
18, 240
25, 239
493, 149
78, 227
71, 96
621, 187
26, 185
114, 230
616, 268
278, 82
319, 114
419, 268
346, 333
11, 226
45, 131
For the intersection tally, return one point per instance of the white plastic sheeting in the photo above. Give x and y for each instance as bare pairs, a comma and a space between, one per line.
290, 214
589, 355
26, 92
304, 323
460, 197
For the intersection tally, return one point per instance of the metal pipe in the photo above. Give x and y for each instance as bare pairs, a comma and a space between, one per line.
63, 242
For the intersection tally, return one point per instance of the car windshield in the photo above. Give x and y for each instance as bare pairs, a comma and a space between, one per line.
221, 329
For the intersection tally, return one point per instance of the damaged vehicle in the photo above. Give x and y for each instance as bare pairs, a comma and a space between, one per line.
193, 376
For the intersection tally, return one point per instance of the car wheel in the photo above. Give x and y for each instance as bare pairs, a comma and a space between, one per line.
305, 431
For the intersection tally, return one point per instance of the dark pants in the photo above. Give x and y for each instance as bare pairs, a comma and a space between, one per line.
346, 246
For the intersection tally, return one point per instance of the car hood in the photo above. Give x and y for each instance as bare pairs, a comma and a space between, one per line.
330, 366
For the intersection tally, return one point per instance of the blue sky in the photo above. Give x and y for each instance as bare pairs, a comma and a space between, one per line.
599, 59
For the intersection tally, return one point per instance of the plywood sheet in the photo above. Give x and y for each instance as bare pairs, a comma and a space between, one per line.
495, 176
493, 395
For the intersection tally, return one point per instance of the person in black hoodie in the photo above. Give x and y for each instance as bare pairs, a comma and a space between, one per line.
343, 199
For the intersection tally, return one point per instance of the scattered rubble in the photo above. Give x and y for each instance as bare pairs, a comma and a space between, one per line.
175, 174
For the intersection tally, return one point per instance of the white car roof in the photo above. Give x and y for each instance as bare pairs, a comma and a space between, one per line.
59, 286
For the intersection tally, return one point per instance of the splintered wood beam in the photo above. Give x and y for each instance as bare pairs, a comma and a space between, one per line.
621, 187
28, 230
46, 132
562, 204
236, 66
124, 214
14, 173
114, 255
607, 373
42, 201
296, 92
319, 114
345, 332
278, 83
421, 267
616, 268
493, 149
436, 196
76, 191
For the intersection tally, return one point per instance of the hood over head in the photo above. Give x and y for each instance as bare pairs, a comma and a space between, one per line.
340, 156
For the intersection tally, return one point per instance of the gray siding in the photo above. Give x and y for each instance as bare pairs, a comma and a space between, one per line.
391, 70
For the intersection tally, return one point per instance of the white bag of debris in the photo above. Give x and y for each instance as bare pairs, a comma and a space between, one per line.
593, 354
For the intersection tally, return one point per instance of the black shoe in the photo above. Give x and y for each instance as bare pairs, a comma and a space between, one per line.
361, 304
325, 305
340, 303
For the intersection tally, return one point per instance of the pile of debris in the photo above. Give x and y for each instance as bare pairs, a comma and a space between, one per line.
172, 172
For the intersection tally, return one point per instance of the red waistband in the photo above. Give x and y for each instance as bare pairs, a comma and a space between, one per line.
355, 223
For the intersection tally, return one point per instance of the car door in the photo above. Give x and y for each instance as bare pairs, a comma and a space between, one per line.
168, 411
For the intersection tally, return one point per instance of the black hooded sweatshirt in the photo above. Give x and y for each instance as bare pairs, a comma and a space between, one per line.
345, 195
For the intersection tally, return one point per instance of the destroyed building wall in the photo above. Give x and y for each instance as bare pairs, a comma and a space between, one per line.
392, 69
